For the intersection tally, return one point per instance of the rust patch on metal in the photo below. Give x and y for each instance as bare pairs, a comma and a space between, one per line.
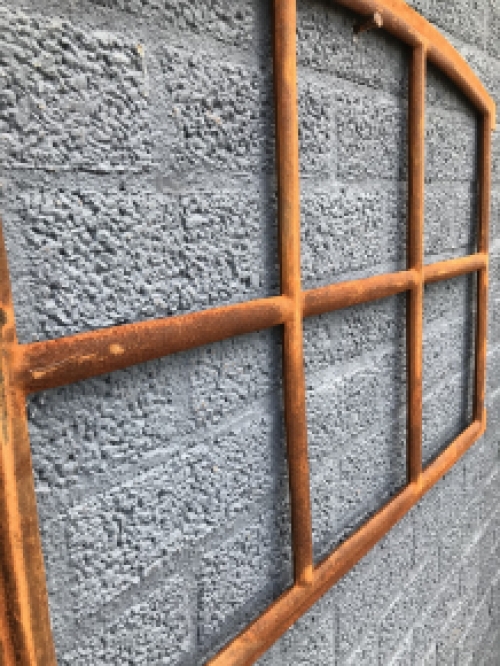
294, 389
415, 259
25, 633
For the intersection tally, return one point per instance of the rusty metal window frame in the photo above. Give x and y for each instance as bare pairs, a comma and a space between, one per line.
25, 634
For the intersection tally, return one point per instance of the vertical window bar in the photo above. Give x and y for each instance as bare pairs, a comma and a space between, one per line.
7, 657
482, 277
287, 152
12, 553
21, 560
416, 175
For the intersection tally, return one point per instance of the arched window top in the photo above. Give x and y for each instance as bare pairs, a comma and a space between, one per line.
410, 27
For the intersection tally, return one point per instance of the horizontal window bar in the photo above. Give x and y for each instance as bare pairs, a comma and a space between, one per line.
445, 270
44, 365
345, 294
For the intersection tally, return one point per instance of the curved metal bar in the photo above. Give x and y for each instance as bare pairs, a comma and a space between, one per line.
410, 27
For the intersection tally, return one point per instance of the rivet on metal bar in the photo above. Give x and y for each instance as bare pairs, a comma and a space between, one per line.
370, 23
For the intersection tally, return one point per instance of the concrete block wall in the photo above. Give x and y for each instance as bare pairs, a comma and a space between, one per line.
137, 181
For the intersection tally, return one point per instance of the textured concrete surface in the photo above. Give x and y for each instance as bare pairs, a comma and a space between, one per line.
137, 181
113, 246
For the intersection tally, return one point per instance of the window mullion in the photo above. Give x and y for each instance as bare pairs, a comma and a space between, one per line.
482, 277
287, 151
416, 175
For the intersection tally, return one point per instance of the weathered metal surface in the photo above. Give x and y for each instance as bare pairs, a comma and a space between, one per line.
414, 308
445, 270
407, 25
29, 639
482, 276
25, 635
346, 294
44, 365
427, 45
7, 657
294, 389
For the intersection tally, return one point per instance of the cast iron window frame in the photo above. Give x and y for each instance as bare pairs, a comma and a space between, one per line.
25, 634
